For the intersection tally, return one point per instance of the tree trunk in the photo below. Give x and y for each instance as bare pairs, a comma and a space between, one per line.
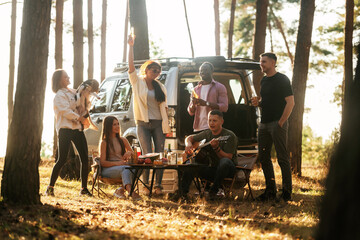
138, 20
340, 209
12, 62
58, 50
300, 72
348, 52
279, 26
71, 168
103, 41
217, 27
231, 28
59, 34
259, 39
20, 182
91, 41
78, 32
271, 37
188, 27
126, 28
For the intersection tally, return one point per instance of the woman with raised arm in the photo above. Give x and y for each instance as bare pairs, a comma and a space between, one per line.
115, 151
150, 109
69, 129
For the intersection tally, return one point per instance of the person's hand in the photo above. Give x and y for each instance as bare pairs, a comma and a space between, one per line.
255, 101
214, 143
199, 102
189, 149
127, 156
280, 123
131, 40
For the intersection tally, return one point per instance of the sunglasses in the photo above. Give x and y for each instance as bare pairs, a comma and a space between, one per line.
155, 70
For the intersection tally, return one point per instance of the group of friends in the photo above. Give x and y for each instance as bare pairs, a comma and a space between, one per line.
208, 102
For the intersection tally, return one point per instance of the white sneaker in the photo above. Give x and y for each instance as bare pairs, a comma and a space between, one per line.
220, 193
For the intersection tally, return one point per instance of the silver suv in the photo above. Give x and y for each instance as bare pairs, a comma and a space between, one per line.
180, 76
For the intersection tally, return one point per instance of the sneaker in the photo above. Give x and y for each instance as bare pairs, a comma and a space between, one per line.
286, 196
146, 191
85, 192
266, 196
50, 191
220, 193
135, 196
158, 191
120, 193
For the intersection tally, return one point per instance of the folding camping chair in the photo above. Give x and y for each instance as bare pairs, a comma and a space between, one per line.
97, 178
244, 165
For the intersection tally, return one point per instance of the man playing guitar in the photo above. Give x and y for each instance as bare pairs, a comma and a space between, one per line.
224, 152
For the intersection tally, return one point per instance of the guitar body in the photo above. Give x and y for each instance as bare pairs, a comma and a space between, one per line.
204, 154
207, 156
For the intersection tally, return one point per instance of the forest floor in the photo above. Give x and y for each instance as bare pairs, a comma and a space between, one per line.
68, 216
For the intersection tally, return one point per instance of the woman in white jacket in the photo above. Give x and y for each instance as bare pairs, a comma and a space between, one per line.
69, 129
150, 109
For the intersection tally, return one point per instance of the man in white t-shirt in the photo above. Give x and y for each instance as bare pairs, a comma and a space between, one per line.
207, 95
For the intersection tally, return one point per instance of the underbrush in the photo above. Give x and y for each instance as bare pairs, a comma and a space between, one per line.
68, 216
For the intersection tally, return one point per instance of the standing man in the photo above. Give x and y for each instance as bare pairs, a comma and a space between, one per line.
276, 103
208, 95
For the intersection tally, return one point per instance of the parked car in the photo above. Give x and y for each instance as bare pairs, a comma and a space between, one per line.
180, 76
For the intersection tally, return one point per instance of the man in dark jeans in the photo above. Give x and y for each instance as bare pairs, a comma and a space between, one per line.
224, 153
276, 103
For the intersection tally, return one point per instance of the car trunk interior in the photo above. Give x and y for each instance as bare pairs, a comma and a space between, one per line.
240, 117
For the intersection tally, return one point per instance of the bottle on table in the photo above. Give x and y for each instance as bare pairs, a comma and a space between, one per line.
137, 151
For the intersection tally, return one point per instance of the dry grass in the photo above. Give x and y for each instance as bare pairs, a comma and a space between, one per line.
68, 216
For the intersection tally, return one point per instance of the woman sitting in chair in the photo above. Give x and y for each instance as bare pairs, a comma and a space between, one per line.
115, 151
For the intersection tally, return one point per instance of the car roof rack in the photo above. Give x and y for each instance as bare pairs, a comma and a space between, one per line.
170, 61
242, 59
174, 61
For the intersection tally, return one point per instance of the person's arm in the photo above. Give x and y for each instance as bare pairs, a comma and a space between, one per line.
131, 41
189, 140
219, 152
191, 107
290, 103
62, 107
223, 101
129, 152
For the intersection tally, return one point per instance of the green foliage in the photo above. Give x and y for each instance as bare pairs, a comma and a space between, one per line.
46, 150
332, 38
244, 25
156, 51
314, 151
331, 145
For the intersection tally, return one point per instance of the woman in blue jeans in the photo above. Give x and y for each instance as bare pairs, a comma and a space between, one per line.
115, 151
150, 109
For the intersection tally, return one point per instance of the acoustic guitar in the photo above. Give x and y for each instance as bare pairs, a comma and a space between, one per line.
205, 154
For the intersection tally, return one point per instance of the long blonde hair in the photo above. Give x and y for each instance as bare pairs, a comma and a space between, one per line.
55, 80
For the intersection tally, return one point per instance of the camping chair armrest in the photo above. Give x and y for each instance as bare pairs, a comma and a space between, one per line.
96, 163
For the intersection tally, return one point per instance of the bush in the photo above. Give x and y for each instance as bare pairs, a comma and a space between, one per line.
313, 148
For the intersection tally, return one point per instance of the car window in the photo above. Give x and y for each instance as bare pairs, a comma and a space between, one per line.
122, 96
237, 90
231, 81
99, 105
